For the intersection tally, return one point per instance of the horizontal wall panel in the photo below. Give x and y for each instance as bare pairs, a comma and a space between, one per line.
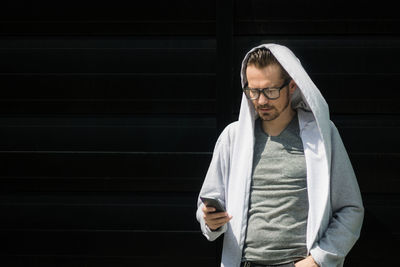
314, 9
102, 134
192, 183
352, 86
106, 87
103, 164
101, 261
75, 10
359, 93
370, 251
99, 172
360, 134
315, 17
349, 27
379, 227
376, 173
121, 60
107, 107
364, 106
381, 214
100, 211
103, 18
102, 172
140, 245
349, 60
106, 42
113, 28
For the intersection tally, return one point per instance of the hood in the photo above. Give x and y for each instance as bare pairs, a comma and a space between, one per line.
306, 97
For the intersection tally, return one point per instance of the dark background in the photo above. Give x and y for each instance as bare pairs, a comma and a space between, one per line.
109, 111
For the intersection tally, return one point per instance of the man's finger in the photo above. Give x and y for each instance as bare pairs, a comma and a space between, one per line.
218, 223
216, 215
208, 209
220, 220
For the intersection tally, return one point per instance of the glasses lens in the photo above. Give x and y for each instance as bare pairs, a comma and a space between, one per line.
272, 93
251, 93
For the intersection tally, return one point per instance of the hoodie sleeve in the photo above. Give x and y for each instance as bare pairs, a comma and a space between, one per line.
347, 209
214, 183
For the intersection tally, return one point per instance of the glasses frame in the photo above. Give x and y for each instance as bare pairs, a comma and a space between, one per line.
264, 91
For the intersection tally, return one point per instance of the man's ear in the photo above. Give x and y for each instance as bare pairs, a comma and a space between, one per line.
292, 86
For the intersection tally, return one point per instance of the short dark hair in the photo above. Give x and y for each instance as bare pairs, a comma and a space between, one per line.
262, 57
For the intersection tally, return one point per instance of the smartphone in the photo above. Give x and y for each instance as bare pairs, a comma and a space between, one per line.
213, 202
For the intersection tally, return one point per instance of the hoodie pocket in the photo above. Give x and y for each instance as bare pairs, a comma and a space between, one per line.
296, 164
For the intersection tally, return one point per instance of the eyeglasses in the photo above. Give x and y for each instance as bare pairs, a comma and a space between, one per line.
271, 93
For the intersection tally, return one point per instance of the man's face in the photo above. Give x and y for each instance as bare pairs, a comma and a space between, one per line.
269, 76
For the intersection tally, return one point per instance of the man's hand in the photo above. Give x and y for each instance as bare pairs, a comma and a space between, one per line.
215, 220
307, 262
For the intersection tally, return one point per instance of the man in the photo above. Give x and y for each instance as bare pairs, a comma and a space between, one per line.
282, 173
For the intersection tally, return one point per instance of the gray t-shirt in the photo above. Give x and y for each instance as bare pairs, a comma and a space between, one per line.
278, 208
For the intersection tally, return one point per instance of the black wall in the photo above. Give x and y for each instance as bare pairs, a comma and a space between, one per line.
109, 111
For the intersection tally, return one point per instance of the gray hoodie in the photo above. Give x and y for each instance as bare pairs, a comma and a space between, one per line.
335, 207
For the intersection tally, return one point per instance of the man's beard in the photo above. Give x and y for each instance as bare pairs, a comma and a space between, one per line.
274, 113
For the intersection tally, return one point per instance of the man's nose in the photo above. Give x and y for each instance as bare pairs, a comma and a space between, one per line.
262, 99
